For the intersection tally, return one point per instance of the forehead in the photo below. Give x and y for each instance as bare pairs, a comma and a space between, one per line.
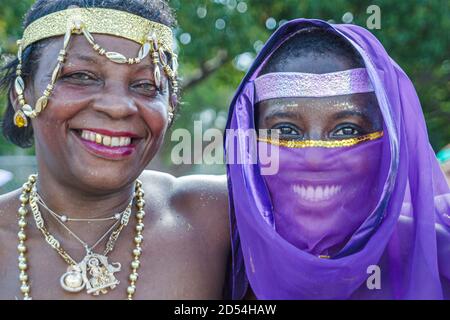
314, 63
362, 101
80, 49
78, 43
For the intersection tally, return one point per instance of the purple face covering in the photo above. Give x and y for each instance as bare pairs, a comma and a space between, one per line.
402, 227
320, 196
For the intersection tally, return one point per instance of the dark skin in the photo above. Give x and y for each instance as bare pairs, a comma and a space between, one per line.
182, 214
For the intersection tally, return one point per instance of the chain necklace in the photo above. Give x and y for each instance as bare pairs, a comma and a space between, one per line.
93, 273
65, 218
34, 197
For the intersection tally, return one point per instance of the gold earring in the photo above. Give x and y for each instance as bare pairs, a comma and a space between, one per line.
20, 119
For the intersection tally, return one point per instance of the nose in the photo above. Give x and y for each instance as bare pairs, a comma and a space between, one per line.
115, 102
315, 159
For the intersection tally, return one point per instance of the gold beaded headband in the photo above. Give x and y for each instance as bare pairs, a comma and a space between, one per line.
155, 39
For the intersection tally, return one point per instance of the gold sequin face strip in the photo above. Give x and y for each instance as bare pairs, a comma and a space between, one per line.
323, 143
98, 20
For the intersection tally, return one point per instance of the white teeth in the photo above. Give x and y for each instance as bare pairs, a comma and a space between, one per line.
309, 193
105, 140
124, 141
115, 142
319, 193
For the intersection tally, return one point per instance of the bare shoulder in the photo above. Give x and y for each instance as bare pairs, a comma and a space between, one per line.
205, 199
201, 200
192, 192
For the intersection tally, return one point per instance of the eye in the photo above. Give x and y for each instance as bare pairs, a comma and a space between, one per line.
146, 88
347, 131
287, 131
80, 77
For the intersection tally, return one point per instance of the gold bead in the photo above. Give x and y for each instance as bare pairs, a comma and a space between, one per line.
135, 264
26, 187
133, 277
23, 276
137, 252
21, 235
21, 248
140, 203
139, 227
22, 211
23, 198
131, 290
22, 258
140, 193
140, 214
22, 223
23, 266
138, 239
24, 288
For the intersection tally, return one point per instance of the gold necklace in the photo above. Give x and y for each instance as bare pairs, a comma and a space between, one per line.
64, 218
125, 216
93, 265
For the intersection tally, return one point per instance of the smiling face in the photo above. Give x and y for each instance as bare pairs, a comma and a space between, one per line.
104, 121
316, 195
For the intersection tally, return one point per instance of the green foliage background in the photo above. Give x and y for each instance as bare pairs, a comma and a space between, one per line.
414, 32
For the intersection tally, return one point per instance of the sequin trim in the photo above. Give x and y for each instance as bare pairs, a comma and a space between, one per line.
98, 20
295, 84
323, 143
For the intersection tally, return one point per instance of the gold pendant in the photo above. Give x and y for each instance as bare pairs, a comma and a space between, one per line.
72, 280
94, 274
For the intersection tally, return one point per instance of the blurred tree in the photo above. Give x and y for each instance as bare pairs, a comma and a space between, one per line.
217, 40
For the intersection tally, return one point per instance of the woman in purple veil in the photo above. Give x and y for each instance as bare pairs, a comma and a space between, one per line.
357, 207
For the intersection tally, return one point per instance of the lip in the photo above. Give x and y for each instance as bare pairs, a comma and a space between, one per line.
108, 153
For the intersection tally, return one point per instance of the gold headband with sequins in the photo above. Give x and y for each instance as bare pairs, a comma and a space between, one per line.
156, 41
323, 143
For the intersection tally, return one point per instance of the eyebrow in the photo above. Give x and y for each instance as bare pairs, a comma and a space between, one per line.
85, 58
349, 113
283, 114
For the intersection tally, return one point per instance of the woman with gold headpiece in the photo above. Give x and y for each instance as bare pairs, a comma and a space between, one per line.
94, 86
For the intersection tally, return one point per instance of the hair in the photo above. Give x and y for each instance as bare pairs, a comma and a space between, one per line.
155, 10
313, 41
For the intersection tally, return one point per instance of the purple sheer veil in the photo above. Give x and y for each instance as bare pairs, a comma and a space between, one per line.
408, 234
